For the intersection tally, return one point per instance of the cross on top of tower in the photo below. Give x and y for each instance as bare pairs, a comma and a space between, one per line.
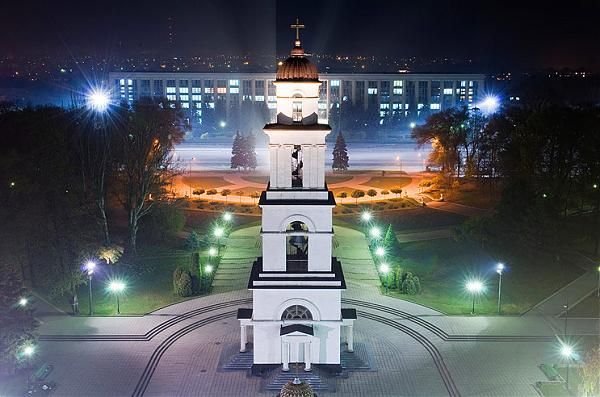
297, 26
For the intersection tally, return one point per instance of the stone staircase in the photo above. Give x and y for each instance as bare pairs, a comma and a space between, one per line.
243, 246
314, 378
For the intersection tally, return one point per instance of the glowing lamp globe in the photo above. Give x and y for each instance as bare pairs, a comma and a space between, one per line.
98, 100
475, 286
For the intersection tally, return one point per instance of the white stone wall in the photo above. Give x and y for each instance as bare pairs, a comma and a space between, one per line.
305, 92
325, 306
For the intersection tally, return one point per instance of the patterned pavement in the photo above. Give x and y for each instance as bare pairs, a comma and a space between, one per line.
416, 351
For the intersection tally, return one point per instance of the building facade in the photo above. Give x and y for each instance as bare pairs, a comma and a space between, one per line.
410, 97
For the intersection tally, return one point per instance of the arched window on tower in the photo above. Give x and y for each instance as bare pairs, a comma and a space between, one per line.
296, 312
297, 111
297, 247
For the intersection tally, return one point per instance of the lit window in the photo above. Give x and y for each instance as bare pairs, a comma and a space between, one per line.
372, 91
198, 105
184, 97
335, 83
463, 83
447, 91
170, 90
122, 81
384, 106
420, 106
196, 90
210, 105
209, 90
171, 97
129, 82
297, 112
183, 90
196, 97
397, 91
234, 83
260, 98
234, 90
435, 106
397, 83
185, 105
221, 90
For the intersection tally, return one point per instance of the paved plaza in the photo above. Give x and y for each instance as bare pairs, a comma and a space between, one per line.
407, 349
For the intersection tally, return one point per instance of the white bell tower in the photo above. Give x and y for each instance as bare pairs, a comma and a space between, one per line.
296, 284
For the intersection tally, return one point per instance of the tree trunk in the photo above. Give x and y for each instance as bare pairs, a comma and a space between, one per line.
133, 228
104, 220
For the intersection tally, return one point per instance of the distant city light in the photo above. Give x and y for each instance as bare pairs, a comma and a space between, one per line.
98, 100
366, 216
12, 184
222, 124
489, 105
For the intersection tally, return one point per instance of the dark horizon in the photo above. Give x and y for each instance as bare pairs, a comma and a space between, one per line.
493, 35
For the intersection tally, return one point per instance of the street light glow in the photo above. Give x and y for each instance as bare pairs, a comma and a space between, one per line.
222, 124
90, 266
98, 99
28, 350
380, 251
208, 268
413, 125
366, 216
475, 286
23, 302
116, 286
375, 232
227, 217
489, 104
218, 231
384, 268
499, 268
566, 351
212, 251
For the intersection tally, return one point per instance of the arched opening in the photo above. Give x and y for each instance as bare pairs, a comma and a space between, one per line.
296, 312
297, 165
297, 247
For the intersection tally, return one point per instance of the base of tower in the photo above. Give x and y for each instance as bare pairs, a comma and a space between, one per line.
262, 369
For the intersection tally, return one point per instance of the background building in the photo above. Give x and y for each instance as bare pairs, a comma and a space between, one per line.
218, 101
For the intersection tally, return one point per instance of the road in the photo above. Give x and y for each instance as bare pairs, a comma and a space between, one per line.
390, 157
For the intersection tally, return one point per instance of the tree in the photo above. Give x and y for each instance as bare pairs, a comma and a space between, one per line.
358, 194
18, 324
225, 193
396, 190
590, 373
163, 223
340, 153
249, 152
237, 152
372, 192
145, 159
182, 282
342, 195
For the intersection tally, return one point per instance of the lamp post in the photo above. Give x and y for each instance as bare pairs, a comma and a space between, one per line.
90, 266
598, 281
117, 287
475, 287
567, 352
385, 269
499, 270
218, 233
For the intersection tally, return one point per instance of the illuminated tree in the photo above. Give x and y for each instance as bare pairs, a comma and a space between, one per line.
590, 373
237, 152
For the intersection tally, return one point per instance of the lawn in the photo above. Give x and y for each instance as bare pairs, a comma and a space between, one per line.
553, 389
470, 194
205, 182
387, 182
444, 266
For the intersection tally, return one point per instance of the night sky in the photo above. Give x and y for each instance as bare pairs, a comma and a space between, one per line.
507, 34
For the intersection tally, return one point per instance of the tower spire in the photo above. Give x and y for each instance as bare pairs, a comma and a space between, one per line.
297, 26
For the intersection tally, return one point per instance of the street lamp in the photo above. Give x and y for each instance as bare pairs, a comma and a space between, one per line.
366, 216
413, 125
212, 251
375, 232
117, 287
499, 270
23, 302
380, 251
567, 352
475, 287
90, 266
222, 124
208, 268
227, 217
28, 350
385, 269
